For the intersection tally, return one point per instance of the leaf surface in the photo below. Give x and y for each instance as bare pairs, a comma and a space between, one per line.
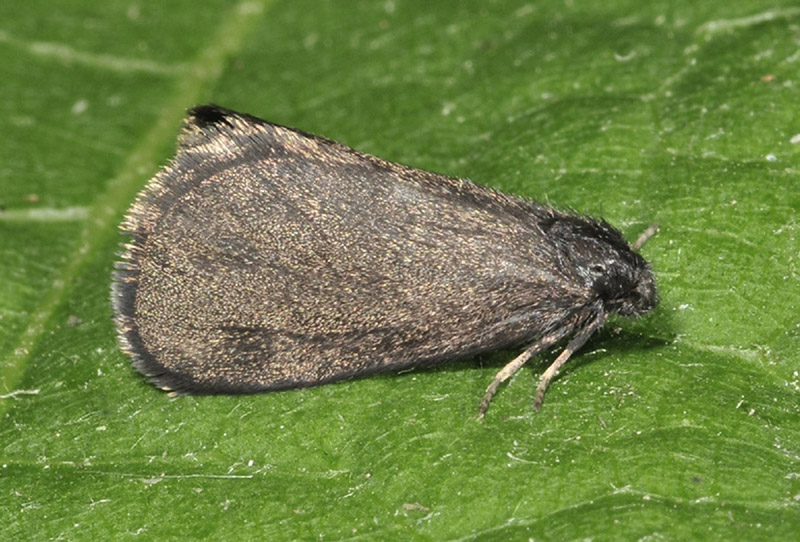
682, 425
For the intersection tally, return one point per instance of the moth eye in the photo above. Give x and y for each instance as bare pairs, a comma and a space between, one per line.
598, 268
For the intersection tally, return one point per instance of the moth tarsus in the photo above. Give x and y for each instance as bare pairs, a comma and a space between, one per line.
263, 258
651, 230
514, 365
574, 345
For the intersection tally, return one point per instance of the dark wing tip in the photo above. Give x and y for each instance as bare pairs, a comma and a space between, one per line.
215, 116
205, 116
227, 132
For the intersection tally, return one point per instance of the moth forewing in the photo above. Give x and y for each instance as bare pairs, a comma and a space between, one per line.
264, 258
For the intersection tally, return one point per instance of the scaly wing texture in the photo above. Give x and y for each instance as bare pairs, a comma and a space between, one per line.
265, 258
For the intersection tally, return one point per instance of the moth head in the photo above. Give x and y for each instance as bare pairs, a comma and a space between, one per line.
615, 274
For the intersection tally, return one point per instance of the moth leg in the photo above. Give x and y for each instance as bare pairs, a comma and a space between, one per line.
510, 368
513, 366
646, 234
574, 345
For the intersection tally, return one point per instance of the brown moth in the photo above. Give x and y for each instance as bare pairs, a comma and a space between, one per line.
263, 258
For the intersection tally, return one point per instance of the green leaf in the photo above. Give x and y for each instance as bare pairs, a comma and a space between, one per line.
682, 425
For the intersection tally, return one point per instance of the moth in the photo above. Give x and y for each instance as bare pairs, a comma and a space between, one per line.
264, 258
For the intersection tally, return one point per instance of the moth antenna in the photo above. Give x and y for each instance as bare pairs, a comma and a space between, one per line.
514, 365
646, 234
574, 345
